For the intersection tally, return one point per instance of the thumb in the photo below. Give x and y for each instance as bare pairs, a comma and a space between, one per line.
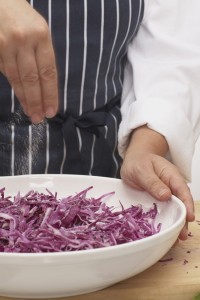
156, 188
152, 184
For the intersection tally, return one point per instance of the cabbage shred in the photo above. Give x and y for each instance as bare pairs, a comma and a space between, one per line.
40, 222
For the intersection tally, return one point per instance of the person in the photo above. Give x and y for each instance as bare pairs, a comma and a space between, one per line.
104, 88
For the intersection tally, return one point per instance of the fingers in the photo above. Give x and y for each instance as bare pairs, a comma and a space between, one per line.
170, 175
27, 60
34, 80
30, 85
48, 78
39, 80
22, 74
184, 232
182, 191
161, 179
141, 174
152, 184
10, 70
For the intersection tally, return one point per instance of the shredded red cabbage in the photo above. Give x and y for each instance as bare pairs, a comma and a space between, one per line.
39, 222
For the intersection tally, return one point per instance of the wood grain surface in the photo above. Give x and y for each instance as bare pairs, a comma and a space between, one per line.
175, 277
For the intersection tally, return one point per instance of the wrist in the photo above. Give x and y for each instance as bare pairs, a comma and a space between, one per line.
144, 139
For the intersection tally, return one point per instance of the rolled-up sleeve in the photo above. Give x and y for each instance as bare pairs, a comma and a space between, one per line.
162, 79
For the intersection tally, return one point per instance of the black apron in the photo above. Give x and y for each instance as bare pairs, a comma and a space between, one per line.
90, 39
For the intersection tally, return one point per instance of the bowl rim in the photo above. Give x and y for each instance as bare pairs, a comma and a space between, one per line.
162, 234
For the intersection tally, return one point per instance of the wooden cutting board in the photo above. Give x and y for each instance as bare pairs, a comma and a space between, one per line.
175, 277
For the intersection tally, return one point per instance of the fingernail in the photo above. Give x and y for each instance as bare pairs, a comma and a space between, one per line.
50, 112
36, 118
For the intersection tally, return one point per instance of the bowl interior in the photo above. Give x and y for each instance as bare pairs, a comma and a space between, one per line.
170, 212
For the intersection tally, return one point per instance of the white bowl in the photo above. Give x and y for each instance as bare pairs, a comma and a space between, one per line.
62, 274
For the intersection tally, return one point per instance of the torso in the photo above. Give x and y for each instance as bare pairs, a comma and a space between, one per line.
90, 40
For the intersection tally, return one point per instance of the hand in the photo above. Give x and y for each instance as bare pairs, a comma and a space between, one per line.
27, 58
145, 168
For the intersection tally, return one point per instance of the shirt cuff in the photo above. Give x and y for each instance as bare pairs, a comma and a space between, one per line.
166, 119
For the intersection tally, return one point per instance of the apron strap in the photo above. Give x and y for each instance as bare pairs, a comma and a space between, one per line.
89, 122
